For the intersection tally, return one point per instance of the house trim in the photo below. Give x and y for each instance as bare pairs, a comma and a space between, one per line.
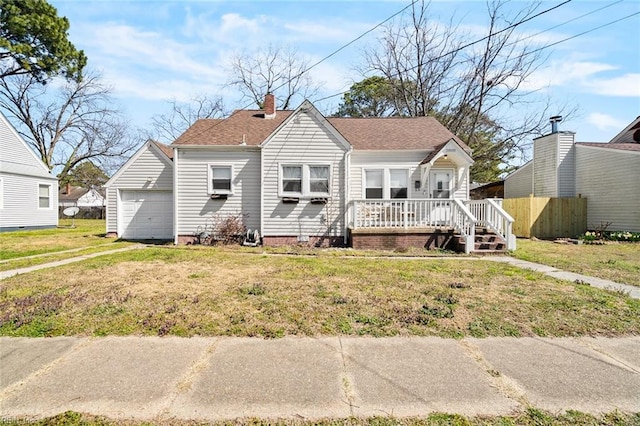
607, 149
135, 157
176, 234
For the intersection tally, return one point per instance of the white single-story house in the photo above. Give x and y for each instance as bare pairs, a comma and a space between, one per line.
28, 190
607, 174
296, 177
76, 196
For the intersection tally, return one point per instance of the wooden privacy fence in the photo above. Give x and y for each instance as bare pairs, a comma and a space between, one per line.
545, 217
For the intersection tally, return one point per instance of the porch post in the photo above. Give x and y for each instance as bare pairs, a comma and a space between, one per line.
405, 214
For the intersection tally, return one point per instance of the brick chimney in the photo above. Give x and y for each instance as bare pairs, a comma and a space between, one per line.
68, 188
269, 106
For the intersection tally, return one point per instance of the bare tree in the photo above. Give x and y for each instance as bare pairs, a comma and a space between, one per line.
68, 124
168, 127
276, 70
477, 90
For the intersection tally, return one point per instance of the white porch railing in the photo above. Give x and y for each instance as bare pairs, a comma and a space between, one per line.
435, 213
402, 213
490, 214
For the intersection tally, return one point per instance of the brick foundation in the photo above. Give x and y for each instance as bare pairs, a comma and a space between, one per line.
372, 240
111, 235
313, 241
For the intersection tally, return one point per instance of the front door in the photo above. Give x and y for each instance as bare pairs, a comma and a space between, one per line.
441, 187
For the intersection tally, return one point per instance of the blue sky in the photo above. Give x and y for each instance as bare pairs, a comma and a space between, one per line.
150, 51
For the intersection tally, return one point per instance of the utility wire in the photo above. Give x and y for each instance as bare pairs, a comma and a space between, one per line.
524, 54
335, 52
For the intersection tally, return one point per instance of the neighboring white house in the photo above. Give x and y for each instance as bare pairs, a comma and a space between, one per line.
28, 191
607, 174
75, 196
296, 176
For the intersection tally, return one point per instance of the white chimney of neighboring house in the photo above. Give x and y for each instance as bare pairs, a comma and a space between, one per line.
269, 106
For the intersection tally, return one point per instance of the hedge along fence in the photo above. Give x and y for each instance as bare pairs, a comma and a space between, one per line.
545, 217
84, 213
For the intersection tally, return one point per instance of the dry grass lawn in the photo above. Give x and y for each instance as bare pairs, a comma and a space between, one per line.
614, 261
188, 291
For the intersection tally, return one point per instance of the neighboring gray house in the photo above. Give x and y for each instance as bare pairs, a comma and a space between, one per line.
607, 174
298, 177
28, 191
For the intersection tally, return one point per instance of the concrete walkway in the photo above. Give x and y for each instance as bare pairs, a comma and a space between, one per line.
209, 379
632, 291
12, 272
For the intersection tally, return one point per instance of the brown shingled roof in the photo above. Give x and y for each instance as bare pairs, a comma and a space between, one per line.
164, 148
619, 146
394, 133
362, 133
247, 125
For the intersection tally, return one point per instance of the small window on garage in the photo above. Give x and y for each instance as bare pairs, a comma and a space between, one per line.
220, 179
44, 196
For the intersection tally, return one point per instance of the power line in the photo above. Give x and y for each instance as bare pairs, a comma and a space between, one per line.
531, 51
320, 61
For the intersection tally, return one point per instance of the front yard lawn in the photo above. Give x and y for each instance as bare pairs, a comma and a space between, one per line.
187, 291
87, 232
618, 262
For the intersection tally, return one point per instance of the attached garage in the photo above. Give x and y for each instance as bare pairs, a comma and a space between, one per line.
146, 215
140, 196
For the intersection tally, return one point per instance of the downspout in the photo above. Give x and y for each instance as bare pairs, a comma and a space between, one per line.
261, 190
347, 198
175, 195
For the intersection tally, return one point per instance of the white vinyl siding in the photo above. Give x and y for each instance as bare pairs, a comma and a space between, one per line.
21, 203
196, 209
21, 172
519, 183
151, 170
609, 178
545, 166
303, 140
566, 165
111, 197
401, 160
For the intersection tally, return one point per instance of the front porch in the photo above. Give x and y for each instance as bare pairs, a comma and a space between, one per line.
468, 226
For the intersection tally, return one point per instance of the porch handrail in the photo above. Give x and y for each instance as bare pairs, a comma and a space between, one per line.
464, 222
491, 215
401, 213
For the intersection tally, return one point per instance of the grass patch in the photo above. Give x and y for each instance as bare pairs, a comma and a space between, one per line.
22, 262
188, 291
532, 417
619, 262
87, 232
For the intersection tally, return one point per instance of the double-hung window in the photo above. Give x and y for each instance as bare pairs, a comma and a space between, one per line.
398, 183
292, 180
220, 179
374, 183
319, 180
44, 196
304, 180
386, 183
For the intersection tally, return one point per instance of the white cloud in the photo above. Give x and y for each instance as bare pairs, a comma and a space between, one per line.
605, 122
624, 85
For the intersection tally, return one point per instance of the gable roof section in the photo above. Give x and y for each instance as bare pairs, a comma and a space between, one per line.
150, 144
165, 149
630, 134
13, 146
248, 126
393, 133
308, 107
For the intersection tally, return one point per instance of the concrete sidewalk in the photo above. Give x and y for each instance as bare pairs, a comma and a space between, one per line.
305, 378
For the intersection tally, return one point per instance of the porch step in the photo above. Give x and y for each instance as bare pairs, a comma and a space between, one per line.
486, 243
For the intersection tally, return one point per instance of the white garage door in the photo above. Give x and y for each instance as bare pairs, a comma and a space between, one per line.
147, 215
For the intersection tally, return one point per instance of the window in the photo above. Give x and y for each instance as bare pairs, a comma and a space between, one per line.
386, 183
398, 183
374, 183
292, 179
304, 180
319, 180
44, 196
220, 179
